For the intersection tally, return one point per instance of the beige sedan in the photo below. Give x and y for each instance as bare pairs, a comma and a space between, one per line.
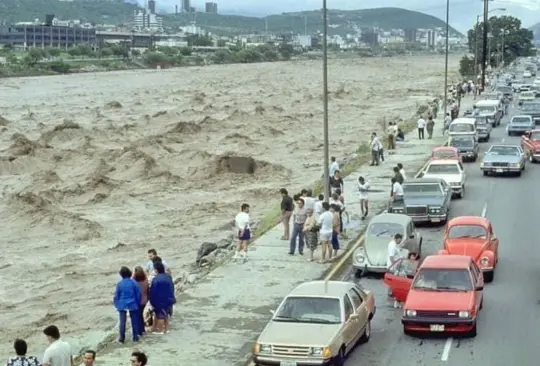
318, 323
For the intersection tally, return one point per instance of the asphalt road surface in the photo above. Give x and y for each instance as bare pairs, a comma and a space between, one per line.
509, 322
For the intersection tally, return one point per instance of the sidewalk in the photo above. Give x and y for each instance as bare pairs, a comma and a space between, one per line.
217, 321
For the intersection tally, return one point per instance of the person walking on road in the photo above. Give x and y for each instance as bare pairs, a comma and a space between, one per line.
447, 121
421, 124
376, 147
336, 227
429, 127
363, 187
299, 218
244, 232
391, 131
325, 222
336, 182
286, 213
334, 166
394, 254
311, 232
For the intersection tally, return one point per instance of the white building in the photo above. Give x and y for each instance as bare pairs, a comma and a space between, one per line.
302, 41
194, 30
144, 20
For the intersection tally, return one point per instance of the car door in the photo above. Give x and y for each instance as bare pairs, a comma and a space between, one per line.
447, 195
398, 281
362, 311
478, 282
523, 160
463, 174
351, 321
493, 242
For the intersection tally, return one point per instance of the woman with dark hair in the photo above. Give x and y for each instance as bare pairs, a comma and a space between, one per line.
139, 275
21, 359
128, 299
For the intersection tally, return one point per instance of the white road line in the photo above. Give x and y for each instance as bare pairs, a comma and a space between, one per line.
446, 349
502, 140
484, 210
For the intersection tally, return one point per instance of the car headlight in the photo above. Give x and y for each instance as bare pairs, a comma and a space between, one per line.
360, 257
435, 210
485, 164
516, 165
264, 348
464, 314
455, 184
410, 313
484, 261
398, 210
325, 352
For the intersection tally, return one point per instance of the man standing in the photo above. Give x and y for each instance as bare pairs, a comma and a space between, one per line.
152, 254
89, 357
299, 218
162, 298
336, 229
286, 213
376, 147
421, 124
447, 121
244, 232
394, 254
318, 207
363, 187
399, 177
430, 125
391, 131
334, 166
402, 171
58, 353
309, 201
325, 222
336, 182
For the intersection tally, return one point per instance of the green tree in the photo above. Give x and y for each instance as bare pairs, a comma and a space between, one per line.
156, 58
286, 51
135, 53
85, 50
201, 41
168, 51
60, 67
221, 57
186, 51
105, 52
466, 67
271, 55
248, 56
74, 51
53, 51
506, 32
33, 56
221, 43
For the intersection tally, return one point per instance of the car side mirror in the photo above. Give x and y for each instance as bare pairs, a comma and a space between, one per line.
493, 238
353, 316
411, 236
479, 288
272, 312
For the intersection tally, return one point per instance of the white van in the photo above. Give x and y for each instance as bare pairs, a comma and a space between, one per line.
462, 127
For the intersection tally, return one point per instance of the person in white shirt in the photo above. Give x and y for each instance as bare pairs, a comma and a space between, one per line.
376, 147
397, 193
401, 171
447, 121
333, 166
309, 202
318, 207
244, 232
421, 124
363, 188
325, 223
394, 254
59, 353
391, 131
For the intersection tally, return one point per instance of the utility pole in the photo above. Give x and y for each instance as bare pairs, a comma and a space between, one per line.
325, 105
484, 44
305, 25
476, 47
502, 47
445, 101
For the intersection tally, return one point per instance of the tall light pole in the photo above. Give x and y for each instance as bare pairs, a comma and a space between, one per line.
325, 104
476, 38
445, 101
484, 43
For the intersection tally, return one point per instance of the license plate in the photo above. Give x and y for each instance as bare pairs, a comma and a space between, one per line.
287, 363
499, 170
435, 328
435, 220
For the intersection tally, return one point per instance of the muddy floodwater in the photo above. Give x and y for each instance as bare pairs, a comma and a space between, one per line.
97, 168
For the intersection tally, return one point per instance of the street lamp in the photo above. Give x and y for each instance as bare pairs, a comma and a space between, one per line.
476, 37
445, 100
325, 104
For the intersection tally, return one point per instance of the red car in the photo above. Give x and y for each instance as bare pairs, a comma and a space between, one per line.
473, 236
444, 295
446, 152
530, 142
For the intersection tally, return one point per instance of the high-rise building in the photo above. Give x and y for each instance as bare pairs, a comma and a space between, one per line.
186, 6
211, 7
152, 6
410, 35
144, 20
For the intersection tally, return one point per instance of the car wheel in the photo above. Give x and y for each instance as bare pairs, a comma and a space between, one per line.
488, 276
473, 331
359, 273
519, 173
367, 333
531, 159
339, 360
462, 193
509, 134
485, 173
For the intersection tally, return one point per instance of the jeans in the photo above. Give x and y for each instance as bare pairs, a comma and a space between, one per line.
297, 233
135, 329
141, 319
375, 156
420, 133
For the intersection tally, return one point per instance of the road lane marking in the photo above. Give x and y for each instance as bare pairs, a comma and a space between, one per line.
484, 210
446, 349
502, 140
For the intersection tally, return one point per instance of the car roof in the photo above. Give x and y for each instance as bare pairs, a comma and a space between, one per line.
444, 162
321, 288
503, 145
422, 180
487, 102
464, 120
443, 148
469, 220
522, 116
446, 261
391, 217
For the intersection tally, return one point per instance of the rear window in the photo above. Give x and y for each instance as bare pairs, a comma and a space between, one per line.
461, 127
443, 169
467, 231
431, 279
521, 120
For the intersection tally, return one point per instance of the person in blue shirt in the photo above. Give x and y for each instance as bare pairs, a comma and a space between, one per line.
128, 299
162, 298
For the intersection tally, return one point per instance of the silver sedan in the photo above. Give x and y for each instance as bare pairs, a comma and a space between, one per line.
504, 159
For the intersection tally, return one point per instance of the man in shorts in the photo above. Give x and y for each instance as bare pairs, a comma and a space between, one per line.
336, 227
363, 188
244, 232
325, 221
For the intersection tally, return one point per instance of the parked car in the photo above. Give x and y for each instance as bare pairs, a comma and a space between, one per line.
530, 143
445, 152
425, 200
504, 159
518, 125
317, 323
526, 96
492, 109
451, 171
372, 256
473, 236
506, 91
483, 127
531, 109
467, 146
445, 294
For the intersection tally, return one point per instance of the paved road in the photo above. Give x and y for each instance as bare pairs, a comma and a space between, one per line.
509, 323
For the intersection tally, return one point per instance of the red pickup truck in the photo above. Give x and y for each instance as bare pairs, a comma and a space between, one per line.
530, 142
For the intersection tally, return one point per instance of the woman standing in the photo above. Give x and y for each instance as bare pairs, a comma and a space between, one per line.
128, 299
140, 277
429, 126
311, 231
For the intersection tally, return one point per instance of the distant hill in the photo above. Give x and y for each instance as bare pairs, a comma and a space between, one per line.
340, 21
93, 11
536, 30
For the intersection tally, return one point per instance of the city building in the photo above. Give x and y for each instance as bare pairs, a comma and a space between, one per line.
147, 19
302, 41
430, 39
152, 6
211, 7
410, 35
42, 36
186, 6
370, 36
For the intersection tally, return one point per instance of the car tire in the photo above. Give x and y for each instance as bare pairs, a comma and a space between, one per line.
407, 332
473, 331
367, 333
531, 159
339, 360
485, 173
462, 193
518, 174
488, 276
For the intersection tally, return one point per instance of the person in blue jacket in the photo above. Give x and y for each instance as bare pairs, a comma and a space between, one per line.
162, 298
128, 299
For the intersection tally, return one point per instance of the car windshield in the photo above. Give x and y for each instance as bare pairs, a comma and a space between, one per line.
481, 121
504, 150
386, 229
535, 136
530, 107
462, 142
486, 109
422, 188
527, 95
520, 120
505, 89
461, 127
320, 310
467, 231
442, 169
443, 280
442, 154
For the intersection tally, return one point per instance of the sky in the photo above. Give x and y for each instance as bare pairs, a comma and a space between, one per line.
462, 12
